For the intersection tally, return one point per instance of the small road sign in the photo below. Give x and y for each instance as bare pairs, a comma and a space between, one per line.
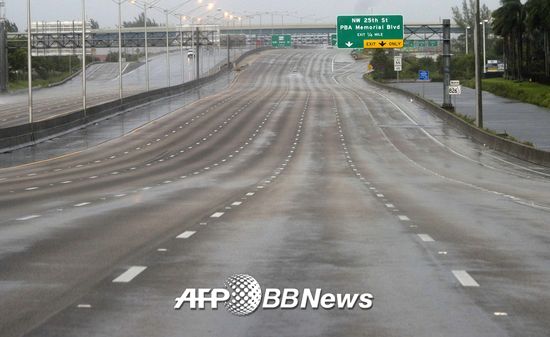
397, 63
454, 83
281, 41
455, 90
370, 31
423, 75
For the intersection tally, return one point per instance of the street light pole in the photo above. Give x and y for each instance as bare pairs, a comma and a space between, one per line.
467, 28
84, 56
479, 98
181, 54
167, 51
146, 47
120, 93
484, 48
29, 58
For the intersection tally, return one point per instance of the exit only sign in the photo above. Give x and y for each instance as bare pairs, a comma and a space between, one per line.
370, 31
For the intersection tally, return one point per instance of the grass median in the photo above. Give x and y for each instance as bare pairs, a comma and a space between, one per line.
528, 92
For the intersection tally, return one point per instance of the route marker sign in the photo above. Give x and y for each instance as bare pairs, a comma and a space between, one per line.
423, 75
455, 90
281, 41
370, 31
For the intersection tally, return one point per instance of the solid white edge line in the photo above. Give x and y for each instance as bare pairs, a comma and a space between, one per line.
29, 217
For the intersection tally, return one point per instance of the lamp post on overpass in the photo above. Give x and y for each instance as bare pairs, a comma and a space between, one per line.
120, 92
146, 5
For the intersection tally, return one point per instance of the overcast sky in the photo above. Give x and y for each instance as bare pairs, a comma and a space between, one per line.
105, 11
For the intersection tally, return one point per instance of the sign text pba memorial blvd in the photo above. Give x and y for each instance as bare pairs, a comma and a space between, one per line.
370, 31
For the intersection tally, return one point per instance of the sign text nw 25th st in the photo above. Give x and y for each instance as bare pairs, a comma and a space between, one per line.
370, 31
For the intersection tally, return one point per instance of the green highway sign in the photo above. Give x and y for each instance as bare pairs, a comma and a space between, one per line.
281, 41
370, 31
421, 43
333, 39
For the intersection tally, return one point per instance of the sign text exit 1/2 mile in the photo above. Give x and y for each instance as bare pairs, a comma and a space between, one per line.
370, 31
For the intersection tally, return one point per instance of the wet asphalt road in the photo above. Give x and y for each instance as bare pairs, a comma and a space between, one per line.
301, 175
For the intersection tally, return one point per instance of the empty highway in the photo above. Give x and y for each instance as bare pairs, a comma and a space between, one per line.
301, 175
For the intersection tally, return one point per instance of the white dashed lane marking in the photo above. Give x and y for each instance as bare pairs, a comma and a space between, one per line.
186, 235
465, 279
403, 218
82, 204
31, 188
236, 203
217, 215
425, 238
130, 274
84, 306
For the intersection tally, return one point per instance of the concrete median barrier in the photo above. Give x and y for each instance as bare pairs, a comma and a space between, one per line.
481, 136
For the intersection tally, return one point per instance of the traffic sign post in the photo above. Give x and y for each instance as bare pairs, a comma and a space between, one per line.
423, 76
370, 31
397, 63
281, 41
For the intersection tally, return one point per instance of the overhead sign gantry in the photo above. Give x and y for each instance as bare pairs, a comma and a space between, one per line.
370, 31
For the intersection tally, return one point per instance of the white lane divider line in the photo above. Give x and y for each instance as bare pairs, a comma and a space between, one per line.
390, 206
66, 182
378, 195
426, 238
28, 217
82, 204
31, 188
84, 306
217, 215
186, 235
250, 194
465, 279
499, 313
236, 203
403, 218
130, 274
162, 250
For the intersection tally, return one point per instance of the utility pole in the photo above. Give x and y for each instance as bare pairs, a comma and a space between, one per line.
477, 52
447, 104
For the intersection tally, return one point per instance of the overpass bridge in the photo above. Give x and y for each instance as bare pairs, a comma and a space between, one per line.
204, 34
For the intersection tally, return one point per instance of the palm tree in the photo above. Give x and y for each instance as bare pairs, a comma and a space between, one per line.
509, 23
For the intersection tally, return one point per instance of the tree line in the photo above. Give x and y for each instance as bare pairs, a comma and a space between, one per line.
524, 29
